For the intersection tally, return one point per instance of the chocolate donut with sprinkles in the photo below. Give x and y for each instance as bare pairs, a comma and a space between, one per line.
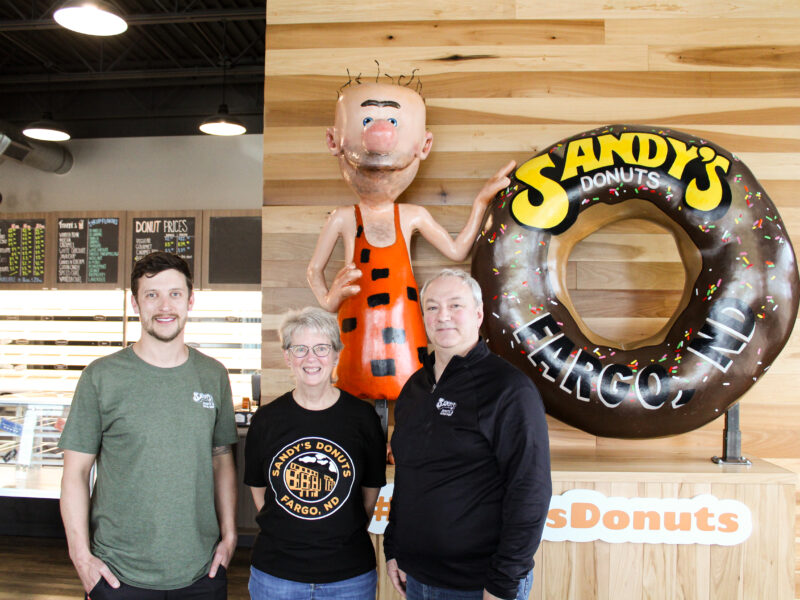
737, 309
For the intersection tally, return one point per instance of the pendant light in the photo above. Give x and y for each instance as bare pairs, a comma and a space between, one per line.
222, 123
92, 17
46, 130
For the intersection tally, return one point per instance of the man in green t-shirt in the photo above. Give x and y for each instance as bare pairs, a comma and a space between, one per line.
156, 418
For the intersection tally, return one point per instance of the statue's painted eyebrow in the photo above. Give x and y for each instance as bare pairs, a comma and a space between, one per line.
381, 103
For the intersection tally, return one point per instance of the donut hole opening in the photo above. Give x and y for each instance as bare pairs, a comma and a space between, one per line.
626, 275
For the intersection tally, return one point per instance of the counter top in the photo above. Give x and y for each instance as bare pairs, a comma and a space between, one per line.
611, 466
35, 482
36, 399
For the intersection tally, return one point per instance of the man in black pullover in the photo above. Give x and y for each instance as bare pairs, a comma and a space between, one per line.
472, 477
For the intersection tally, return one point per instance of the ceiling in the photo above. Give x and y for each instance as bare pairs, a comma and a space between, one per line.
161, 77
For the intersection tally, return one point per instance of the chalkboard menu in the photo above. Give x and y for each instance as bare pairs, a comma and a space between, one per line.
168, 234
234, 250
22, 250
88, 250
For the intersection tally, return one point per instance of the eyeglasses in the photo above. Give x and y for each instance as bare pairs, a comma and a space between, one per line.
320, 350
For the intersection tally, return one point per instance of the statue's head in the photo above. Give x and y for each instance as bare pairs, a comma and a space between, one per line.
379, 135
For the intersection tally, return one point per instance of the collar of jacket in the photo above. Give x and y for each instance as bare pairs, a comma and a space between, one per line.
478, 352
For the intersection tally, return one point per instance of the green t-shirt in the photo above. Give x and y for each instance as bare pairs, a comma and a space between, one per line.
152, 516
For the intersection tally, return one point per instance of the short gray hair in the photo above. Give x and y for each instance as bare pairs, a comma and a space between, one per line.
473, 285
310, 317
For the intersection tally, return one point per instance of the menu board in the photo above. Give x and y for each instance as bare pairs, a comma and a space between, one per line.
234, 250
88, 250
22, 250
175, 235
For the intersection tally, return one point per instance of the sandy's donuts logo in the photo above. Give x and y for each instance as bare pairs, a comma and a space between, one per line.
311, 477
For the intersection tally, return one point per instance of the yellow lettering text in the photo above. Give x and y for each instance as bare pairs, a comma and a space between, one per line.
553, 210
708, 199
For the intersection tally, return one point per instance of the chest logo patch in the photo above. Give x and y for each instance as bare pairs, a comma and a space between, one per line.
207, 400
311, 477
445, 407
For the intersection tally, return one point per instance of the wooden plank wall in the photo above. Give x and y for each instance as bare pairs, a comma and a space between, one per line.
505, 78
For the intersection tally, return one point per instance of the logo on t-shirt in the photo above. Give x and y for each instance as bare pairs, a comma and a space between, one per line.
445, 407
311, 477
207, 400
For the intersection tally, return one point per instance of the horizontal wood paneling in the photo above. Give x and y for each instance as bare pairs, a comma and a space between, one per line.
436, 33
510, 84
711, 33
470, 59
533, 138
439, 191
310, 11
505, 79
481, 165
625, 9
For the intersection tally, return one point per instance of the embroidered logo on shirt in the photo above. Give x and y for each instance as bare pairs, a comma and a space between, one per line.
207, 400
445, 407
312, 477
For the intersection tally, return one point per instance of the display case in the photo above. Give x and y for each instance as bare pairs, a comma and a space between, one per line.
30, 460
47, 338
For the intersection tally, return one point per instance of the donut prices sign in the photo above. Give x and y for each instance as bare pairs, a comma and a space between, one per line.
586, 515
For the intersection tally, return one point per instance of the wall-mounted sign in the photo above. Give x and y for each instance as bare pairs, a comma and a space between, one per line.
22, 250
586, 516
234, 250
380, 516
87, 250
169, 234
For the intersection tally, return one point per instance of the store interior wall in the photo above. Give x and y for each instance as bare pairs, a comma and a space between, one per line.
120, 174
504, 79
147, 173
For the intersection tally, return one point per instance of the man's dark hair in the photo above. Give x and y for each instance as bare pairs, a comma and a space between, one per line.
156, 262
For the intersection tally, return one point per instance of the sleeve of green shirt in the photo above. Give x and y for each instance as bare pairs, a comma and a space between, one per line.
83, 431
225, 427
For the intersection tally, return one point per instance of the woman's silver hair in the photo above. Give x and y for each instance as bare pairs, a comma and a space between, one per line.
474, 287
310, 317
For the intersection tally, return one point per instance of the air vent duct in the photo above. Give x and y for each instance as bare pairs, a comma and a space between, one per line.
45, 156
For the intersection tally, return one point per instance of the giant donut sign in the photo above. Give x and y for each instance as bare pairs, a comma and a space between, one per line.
739, 303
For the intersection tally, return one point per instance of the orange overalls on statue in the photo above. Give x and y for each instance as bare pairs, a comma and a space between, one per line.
382, 329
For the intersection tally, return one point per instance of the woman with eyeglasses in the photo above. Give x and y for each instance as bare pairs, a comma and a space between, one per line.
315, 462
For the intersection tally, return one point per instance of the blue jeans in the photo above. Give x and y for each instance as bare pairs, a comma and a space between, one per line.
266, 587
416, 590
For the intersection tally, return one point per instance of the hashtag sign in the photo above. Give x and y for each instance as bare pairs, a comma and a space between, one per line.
381, 512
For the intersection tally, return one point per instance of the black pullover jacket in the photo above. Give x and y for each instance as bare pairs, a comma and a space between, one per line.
472, 476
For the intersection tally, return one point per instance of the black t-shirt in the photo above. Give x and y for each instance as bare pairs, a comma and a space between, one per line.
313, 527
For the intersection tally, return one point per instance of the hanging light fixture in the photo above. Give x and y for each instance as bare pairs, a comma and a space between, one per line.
46, 130
92, 17
222, 123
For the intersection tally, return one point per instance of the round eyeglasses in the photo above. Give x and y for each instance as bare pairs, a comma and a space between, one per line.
320, 350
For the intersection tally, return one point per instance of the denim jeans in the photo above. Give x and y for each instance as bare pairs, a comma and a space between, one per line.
416, 590
266, 587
